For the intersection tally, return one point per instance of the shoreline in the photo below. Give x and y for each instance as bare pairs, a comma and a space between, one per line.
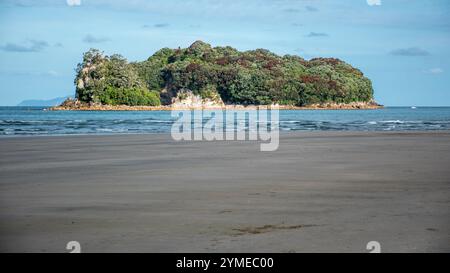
79, 106
319, 192
167, 135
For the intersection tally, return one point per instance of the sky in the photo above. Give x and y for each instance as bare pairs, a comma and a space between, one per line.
403, 46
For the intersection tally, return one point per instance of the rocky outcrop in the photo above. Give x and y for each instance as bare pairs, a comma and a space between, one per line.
187, 99
77, 105
352, 105
190, 101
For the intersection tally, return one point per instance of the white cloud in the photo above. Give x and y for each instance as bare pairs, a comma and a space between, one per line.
52, 73
436, 70
374, 2
73, 2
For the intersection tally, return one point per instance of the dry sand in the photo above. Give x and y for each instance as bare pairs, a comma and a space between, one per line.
320, 192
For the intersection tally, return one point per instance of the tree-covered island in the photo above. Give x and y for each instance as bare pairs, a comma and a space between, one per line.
202, 75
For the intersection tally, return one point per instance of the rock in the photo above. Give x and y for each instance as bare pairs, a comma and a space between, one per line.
187, 99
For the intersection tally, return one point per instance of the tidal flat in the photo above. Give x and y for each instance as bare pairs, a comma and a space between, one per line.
319, 192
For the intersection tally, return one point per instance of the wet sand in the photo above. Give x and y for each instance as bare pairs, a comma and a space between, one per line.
320, 192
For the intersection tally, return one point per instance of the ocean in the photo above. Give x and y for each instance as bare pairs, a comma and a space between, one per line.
15, 121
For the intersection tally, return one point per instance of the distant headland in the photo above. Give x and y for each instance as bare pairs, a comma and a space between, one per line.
206, 77
49, 102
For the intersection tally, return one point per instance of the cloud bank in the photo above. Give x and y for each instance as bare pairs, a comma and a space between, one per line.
90, 39
410, 52
29, 46
311, 9
316, 34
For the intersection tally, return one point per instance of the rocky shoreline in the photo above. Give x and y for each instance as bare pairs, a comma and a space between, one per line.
75, 105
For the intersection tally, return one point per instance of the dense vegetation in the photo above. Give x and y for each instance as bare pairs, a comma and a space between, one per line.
250, 77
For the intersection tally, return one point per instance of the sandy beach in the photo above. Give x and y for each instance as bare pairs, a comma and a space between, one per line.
320, 192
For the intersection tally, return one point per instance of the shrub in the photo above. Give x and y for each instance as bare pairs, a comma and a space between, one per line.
129, 96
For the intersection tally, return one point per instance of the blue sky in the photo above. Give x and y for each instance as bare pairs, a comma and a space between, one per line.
403, 46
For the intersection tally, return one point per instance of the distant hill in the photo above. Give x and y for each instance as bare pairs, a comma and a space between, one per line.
50, 102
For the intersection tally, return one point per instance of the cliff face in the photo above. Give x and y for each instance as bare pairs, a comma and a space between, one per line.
187, 99
219, 75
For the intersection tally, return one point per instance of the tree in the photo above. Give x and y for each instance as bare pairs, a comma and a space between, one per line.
110, 80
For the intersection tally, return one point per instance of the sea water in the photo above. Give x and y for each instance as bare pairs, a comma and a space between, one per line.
39, 121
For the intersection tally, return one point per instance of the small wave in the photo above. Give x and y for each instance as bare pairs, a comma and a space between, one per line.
104, 129
393, 121
159, 121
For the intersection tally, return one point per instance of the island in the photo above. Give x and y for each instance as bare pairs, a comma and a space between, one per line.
206, 77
